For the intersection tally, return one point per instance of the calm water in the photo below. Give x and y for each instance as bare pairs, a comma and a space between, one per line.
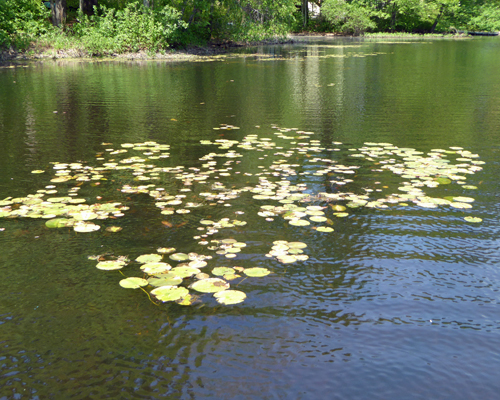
397, 303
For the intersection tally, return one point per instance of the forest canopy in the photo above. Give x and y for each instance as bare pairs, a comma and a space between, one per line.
117, 26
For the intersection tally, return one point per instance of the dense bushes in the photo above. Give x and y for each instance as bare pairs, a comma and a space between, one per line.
119, 26
21, 21
132, 29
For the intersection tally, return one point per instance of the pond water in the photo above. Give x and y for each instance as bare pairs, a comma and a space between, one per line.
390, 143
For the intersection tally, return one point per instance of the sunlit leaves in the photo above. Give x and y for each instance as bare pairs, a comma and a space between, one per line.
149, 258
256, 272
170, 293
227, 297
110, 265
210, 285
282, 184
133, 283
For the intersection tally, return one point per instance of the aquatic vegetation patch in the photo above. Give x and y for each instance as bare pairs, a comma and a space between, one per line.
282, 188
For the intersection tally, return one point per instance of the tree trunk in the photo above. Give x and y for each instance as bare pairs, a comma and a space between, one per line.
393, 17
148, 3
305, 12
437, 18
87, 6
58, 11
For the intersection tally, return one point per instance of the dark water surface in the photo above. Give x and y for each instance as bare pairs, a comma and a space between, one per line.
396, 303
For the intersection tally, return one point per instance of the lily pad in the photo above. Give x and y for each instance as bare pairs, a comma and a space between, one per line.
148, 258
186, 300
155, 268
185, 272
83, 227
59, 223
256, 272
296, 245
286, 259
168, 279
170, 293
133, 283
221, 271
113, 229
165, 250
473, 219
227, 297
443, 181
110, 265
299, 222
460, 205
211, 285
463, 199
179, 257
324, 229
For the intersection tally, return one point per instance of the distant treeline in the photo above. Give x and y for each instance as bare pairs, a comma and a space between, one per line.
117, 26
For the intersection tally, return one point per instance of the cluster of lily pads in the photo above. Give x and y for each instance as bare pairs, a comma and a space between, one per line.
166, 280
291, 162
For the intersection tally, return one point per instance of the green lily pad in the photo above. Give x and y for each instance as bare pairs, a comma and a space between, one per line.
179, 257
296, 245
165, 250
211, 285
256, 272
318, 219
460, 205
59, 223
443, 181
168, 279
148, 258
113, 229
286, 259
198, 264
83, 227
59, 199
227, 297
324, 229
186, 300
155, 268
110, 265
185, 272
170, 293
473, 219
133, 283
221, 271
463, 199
299, 222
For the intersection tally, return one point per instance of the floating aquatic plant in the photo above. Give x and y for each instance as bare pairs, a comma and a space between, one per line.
280, 187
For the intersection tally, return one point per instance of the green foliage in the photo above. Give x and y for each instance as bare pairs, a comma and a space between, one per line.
132, 29
348, 18
487, 19
21, 21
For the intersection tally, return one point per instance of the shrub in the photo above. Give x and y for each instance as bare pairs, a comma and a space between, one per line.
348, 18
21, 21
132, 29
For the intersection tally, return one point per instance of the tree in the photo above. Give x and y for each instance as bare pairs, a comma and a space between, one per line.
58, 11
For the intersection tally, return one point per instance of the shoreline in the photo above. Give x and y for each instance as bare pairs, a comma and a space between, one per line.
193, 52
188, 54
